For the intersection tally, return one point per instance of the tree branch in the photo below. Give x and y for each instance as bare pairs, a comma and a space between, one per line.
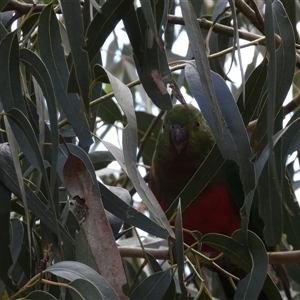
227, 30
284, 257
23, 8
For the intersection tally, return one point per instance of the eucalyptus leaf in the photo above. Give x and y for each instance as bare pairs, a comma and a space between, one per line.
74, 25
49, 38
234, 144
5, 251
153, 287
180, 250
72, 270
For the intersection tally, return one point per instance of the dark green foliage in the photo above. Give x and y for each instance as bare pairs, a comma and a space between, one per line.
74, 80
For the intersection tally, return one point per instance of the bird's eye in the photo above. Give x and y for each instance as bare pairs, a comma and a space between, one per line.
198, 124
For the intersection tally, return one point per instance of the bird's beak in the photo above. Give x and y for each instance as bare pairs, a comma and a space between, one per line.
178, 137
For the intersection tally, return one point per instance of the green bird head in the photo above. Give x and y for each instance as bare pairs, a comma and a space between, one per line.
184, 134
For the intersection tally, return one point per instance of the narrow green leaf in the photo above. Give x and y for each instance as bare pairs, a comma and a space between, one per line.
280, 70
153, 287
34, 64
128, 214
129, 141
10, 92
234, 144
171, 291
38, 208
217, 41
289, 145
272, 70
72, 270
163, 8
236, 44
52, 54
17, 238
19, 119
101, 159
83, 251
104, 23
153, 263
254, 88
28, 25
232, 247
284, 64
250, 286
291, 10
85, 290
5, 252
109, 112
17, 166
149, 10
180, 250
74, 25
291, 216
285, 55
40, 295
150, 59
203, 69
142, 189
270, 207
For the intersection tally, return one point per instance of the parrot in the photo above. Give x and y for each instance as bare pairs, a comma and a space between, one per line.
182, 145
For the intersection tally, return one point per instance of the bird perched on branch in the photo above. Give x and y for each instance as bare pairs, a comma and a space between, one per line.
183, 144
